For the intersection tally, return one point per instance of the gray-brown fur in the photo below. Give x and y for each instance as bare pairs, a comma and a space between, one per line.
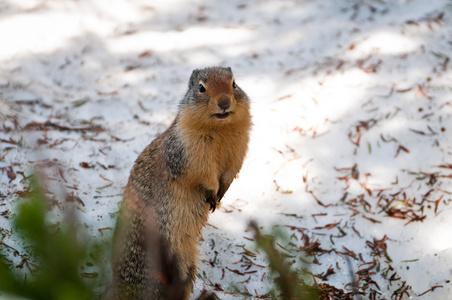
174, 183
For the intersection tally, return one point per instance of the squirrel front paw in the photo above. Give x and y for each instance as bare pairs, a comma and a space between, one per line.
211, 199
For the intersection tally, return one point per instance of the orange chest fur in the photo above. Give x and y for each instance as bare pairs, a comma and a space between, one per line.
210, 155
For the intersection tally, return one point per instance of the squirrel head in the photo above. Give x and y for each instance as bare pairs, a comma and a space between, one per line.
213, 99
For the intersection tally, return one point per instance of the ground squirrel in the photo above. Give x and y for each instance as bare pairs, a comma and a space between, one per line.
175, 182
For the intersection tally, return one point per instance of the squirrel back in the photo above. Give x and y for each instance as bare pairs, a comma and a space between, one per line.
175, 182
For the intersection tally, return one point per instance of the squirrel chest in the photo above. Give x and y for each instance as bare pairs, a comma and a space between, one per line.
212, 154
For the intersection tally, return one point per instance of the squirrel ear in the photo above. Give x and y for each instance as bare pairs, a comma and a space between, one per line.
193, 78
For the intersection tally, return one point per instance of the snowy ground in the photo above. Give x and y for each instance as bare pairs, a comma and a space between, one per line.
351, 144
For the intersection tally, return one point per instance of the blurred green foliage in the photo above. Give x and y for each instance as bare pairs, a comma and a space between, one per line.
55, 255
290, 282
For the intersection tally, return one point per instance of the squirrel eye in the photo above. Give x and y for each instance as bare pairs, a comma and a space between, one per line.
234, 85
202, 89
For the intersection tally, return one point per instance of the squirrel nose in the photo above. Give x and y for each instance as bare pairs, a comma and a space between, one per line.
224, 103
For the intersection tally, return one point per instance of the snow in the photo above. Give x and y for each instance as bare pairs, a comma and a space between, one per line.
333, 84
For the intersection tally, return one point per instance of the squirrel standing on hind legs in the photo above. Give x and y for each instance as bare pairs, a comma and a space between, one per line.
175, 182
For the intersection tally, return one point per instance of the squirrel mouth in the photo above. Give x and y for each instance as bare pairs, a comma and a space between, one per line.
222, 116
